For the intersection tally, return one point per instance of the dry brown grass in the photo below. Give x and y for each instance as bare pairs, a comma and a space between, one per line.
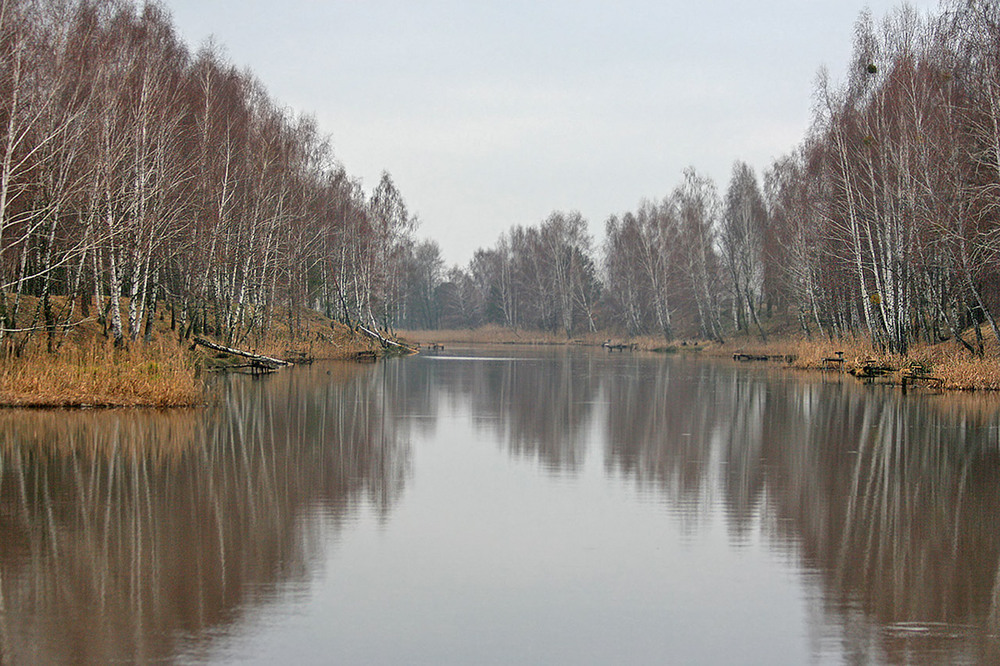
311, 334
87, 370
159, 374
949, 361
969, 374
959, 368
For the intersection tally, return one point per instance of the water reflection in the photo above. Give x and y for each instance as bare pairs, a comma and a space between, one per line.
661, 423
124, 535
887, 502
538, 408
893, 501
538, 404
137, 536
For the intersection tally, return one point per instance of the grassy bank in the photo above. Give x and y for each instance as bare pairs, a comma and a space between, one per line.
87, 370
951, 365
160, 374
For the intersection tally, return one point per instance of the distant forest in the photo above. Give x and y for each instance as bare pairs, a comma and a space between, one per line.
883, 222
138, 176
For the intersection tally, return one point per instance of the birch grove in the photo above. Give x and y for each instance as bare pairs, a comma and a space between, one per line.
137, 177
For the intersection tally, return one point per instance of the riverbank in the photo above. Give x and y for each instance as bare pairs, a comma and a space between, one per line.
946, 365
158, 374
87, 370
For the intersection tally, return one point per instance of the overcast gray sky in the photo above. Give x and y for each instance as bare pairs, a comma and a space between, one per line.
494, 113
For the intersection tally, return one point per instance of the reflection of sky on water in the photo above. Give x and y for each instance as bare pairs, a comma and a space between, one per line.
500, 560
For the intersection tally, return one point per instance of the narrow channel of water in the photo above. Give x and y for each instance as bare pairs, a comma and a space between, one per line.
508, 505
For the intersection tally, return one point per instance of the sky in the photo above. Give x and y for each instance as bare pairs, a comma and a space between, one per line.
493, 113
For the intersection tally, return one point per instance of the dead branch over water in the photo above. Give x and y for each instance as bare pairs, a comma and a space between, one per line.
239, 352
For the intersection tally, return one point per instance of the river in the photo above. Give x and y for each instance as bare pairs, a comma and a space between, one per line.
508, 505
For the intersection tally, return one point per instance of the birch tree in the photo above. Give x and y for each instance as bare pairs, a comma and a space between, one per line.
742, 234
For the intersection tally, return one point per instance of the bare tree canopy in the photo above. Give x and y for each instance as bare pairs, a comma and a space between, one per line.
135, 175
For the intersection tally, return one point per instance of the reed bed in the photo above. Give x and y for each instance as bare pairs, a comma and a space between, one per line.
87, 370
969, 374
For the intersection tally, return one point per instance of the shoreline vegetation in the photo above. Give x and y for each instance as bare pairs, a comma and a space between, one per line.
877, 236
152, 193
946, 365
90, 372
86, 369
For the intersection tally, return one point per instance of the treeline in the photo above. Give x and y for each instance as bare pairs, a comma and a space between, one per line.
883, 222
137, 177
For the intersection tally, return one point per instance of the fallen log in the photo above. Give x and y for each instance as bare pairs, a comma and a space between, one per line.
931, 381
870, 370
385, 342
239, 352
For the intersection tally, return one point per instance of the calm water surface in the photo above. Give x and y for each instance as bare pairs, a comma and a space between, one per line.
488, 506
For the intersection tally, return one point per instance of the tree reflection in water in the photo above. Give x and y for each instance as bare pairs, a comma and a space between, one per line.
133, 535
124, 534
891, 500
539, 406
888, 501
